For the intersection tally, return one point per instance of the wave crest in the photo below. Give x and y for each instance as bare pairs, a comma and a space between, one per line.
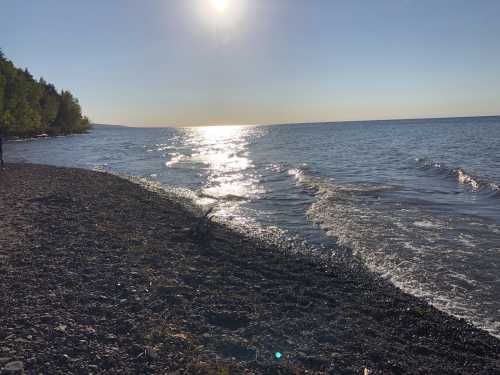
459, 174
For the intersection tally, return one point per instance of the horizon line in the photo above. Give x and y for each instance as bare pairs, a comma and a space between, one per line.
303, 122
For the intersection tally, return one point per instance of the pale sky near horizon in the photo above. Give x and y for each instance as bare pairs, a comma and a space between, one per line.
186, 63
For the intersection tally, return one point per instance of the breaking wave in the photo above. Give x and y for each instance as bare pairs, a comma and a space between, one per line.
421, 252
476, 184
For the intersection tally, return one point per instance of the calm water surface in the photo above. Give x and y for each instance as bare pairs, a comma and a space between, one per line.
418, 200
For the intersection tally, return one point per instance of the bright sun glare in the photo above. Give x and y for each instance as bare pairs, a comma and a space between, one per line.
219, 5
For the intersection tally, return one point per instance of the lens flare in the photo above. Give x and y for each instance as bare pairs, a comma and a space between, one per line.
220, 5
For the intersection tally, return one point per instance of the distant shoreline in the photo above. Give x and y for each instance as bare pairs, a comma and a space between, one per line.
44, 136
101, 274
306, 123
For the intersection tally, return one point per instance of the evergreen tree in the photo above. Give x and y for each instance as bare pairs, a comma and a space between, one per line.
49, 103
29, 107
69, 114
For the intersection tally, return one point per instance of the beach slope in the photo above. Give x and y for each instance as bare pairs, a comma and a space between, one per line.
99, 275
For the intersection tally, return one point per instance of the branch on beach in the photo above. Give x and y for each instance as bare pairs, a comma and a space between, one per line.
202, 229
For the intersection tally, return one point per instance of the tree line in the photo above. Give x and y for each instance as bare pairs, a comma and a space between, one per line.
29, 107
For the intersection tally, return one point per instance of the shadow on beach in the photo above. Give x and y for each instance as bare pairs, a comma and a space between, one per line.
100, 275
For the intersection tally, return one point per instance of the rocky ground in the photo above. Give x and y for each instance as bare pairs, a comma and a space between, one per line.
100, 276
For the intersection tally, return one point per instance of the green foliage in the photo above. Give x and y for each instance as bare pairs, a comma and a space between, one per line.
29, 107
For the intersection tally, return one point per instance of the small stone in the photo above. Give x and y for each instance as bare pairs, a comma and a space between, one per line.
16, 367
61, 328
90, 330
110, 337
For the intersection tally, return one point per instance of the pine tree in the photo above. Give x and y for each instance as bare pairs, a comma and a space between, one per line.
29, 107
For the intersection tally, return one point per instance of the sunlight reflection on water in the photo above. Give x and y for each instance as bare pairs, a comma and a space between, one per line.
223, 152
396, 193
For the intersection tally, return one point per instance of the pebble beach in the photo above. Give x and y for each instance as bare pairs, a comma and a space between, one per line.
99, 275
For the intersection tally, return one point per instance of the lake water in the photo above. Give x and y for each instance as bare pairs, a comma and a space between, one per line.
417, 200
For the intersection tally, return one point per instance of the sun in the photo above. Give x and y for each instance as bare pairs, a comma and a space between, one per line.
219, 5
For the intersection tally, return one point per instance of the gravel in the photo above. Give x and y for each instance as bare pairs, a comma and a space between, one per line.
100, 276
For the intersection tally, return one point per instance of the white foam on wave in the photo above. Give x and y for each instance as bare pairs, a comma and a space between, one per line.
475, 183
278, 168
464, 178
175, 158
426, 224
418, 252
100, 167
467, 240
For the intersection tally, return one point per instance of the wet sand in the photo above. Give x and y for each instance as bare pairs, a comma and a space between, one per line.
99, 275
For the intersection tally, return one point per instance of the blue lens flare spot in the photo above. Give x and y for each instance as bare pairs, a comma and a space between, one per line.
278, 355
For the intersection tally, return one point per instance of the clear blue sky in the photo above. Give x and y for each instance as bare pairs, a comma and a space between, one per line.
181, 62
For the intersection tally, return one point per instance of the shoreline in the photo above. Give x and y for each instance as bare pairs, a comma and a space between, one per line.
41, 136
100, 275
